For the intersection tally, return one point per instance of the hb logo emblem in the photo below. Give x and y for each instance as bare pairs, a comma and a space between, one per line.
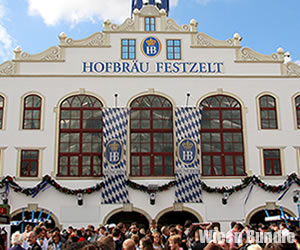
114, 152
151, 46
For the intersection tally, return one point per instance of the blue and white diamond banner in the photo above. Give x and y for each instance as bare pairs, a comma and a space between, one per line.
115, 122
188, 186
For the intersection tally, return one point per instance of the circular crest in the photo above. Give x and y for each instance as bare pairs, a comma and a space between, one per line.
151, 46
187, 151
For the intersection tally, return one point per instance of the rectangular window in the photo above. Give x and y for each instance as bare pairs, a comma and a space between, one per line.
149, 24
1, 111
29, 163
272, 162
128, 49
173, 49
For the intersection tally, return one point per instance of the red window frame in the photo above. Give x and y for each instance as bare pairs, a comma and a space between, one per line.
268, 112
297, 103
144, 134
271, 160
2, 102
32, 112
29, 158
222, 142
80, 137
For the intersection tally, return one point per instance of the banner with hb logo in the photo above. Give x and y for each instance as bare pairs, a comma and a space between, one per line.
188, 184
115, 121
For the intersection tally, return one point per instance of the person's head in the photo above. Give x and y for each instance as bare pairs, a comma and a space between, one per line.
128, 244
116, 232
135, 238
122, 227
280, 246
153, 223
164, 230
56, 237
173, 231
212, 246
28, 228
17, 238
146, 244
174, 242
70, 229
238, 227
254, 247
188, 223
224, 245
134, 228
31, 238
106, 243
282, 226
156, 238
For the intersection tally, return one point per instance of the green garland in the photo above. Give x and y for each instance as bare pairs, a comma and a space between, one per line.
8, 181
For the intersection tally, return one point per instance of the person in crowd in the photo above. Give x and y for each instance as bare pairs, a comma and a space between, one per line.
102, 231
56, 242
17, 241
116, 234
134, 229
212, 246
106, 243
136, 240
297, 239
224, 245
284, 231
91, 234
157, 241
254, 247
32, 241
165, 234
197, 244
174, 242
123, 230
231, 235
280, 246
70, 231
146, 243
129, 244
153, 226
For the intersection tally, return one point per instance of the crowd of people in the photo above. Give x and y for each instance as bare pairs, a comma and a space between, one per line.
189, 236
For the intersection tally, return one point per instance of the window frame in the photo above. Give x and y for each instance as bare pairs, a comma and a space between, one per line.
151, 25
80, 131
268, 109
264, 161
40, 109
152, 131
221, 131
128, 46
2, 116
29, 161
173, 49
297, 111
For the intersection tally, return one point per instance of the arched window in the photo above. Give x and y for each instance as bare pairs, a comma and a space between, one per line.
297, 102
268, 113
32, 112
1, 111
222, 143
151, 132
80, 136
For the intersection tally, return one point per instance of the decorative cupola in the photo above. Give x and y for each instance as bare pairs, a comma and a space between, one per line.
160, 4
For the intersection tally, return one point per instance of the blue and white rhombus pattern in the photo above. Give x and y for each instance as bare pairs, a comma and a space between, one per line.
115, 121
188, 184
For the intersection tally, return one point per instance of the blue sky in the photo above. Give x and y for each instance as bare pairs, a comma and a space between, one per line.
265, 25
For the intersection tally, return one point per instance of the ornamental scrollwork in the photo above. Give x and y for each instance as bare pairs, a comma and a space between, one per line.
7, 68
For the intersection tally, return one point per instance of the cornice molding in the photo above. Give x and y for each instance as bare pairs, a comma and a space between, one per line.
53, 54
8, 68
291, 69
202, 40
249, 55
97, 39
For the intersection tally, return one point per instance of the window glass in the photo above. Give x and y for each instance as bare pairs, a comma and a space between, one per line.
32, 112
29, 163
128, 49
80, 137
222, 145
268, 116
151, 136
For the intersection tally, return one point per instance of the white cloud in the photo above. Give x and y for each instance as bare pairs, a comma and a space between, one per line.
298, 62
6, 40
75, 11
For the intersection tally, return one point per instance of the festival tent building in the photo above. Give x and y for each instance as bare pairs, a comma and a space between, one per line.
149, 120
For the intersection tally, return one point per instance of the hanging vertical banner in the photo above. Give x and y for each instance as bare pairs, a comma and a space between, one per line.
115, 121
188, 183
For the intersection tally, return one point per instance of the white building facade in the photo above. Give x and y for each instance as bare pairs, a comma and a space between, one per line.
102, 117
